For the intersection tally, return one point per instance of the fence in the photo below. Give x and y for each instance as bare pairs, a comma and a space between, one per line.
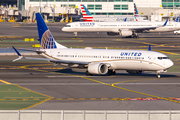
87, 115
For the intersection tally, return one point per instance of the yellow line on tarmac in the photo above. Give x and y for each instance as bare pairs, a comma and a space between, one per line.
36, 93
75, 38
31, 91
4, 82
15, 26
111, 85
141, 38
167, 52
137, 80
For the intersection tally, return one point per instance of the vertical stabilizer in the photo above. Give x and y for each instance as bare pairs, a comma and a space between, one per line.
136, 14
87, 16
45, 37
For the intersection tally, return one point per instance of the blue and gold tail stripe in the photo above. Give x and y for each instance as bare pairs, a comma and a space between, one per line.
47, 41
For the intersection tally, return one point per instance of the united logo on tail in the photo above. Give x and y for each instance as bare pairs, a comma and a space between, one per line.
47, 41
45, 37
87, 17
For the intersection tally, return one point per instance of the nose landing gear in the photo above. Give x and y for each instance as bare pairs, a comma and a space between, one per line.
158, 76
159, 72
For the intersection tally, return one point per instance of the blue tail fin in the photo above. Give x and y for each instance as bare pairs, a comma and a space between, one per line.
45, 37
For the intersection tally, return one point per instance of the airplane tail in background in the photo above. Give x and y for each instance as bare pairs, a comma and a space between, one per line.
45, 37
87, 17
178, 19
136, 14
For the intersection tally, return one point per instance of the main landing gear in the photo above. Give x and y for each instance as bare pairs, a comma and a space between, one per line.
88, 74
111, 72
134, 35
158, 76
75, 34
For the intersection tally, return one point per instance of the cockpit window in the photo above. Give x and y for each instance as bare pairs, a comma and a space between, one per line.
145, 19
163, 58
68, 26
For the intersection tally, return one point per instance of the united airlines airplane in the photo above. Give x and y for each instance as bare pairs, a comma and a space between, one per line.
97, 61
87, 16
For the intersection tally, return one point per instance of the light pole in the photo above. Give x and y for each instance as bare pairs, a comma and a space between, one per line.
40, 6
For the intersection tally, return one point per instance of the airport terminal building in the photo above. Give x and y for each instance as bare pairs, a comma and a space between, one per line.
155, 9
103, 7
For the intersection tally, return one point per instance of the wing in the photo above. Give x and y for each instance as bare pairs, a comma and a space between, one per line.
145, 28
50, 60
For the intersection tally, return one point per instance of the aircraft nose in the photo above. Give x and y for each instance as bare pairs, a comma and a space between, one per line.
169, 64
62, 29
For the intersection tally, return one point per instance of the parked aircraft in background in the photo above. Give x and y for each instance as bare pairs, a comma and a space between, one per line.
97, 61
88, 17
123, 29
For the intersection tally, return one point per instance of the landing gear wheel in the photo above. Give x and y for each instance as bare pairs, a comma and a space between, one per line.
135, 36
111, 72
88, 74
158, 76
75, 34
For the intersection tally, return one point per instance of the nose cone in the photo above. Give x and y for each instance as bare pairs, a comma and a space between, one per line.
169, 64
63, 29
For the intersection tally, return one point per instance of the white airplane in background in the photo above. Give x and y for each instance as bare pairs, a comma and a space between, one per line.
87, 16
97, 61
123, 29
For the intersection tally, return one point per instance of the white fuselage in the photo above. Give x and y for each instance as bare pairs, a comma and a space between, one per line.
118, 19
117, 59
117, 26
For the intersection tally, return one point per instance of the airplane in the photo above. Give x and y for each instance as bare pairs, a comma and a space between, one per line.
87, 16
124, 29
97, 61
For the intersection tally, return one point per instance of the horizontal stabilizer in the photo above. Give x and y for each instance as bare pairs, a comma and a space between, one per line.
32, 50
20, 56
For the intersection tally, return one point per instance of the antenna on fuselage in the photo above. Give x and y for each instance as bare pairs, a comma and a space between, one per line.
149, 49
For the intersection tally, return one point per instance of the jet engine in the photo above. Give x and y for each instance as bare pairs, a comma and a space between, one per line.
134, 71
125, 33
112, 33
97, 68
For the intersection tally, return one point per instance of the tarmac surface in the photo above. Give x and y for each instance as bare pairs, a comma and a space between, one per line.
70, 89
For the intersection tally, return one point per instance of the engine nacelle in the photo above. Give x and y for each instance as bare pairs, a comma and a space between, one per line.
134, 71
125, 33
112, 33
97, 68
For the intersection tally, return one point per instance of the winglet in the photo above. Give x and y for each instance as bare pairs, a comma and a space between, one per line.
149, 49
177, 19
20, 56
125, 19
165, 23
16, 51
